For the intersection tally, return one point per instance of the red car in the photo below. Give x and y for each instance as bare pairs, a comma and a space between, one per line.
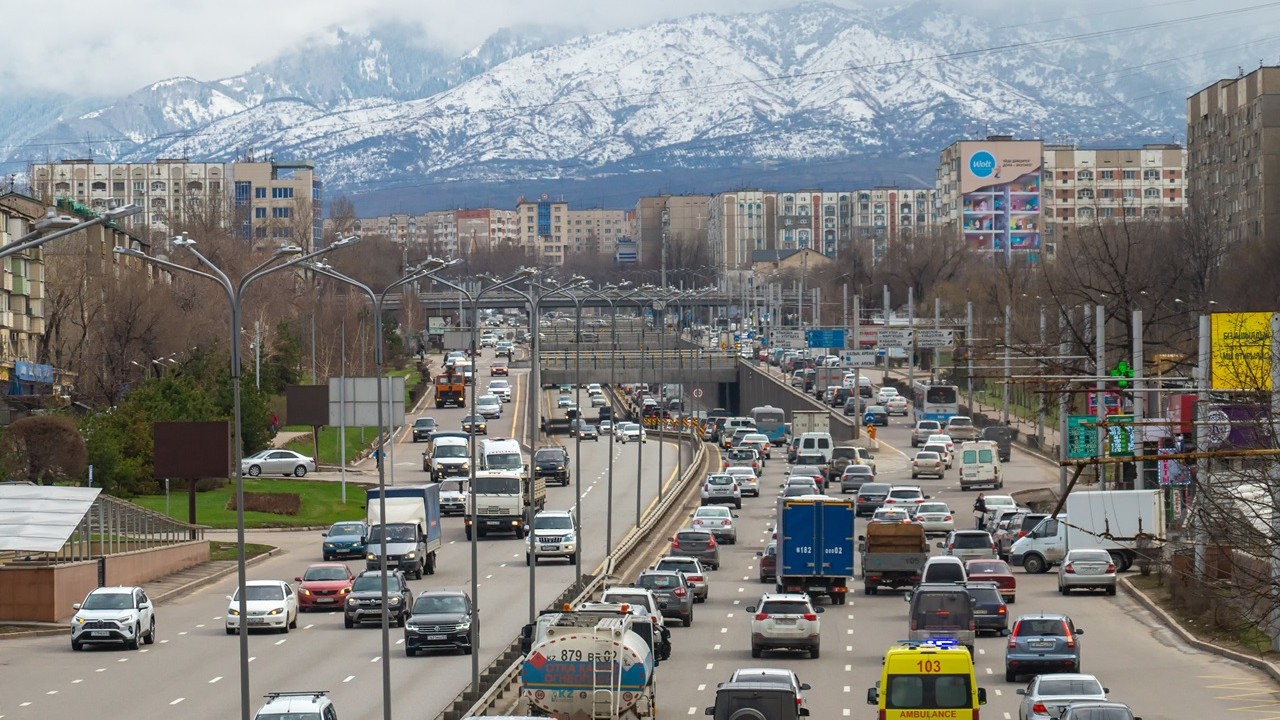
769, 562
324, 586
996, 571
499, 367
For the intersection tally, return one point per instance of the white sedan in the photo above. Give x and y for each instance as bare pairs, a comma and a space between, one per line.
884, 393
277, 462
272, 604
629, 431
501, 388
489, 406
936, 517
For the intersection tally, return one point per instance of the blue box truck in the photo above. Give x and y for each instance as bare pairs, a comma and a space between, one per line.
815, 546
411, 528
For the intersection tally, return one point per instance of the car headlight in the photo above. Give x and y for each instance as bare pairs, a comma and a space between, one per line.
344, 591
276, 611
328, 545
303, 591
410, 555
79, 620
351, 601
394, 600
464, 625
233, 612
370, 556
569, 538
466, 467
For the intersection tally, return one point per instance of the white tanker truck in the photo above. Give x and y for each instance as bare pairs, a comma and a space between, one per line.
589, 663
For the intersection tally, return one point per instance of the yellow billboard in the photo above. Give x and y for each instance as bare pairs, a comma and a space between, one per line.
1240, 351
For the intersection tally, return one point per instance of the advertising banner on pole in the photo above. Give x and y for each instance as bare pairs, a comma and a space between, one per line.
1240, 351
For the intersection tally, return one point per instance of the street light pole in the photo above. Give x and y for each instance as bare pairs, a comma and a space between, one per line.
577, 381
66, 226
613, 386
235, 293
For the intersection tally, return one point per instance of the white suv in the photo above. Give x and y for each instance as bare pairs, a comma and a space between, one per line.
636, 596
307, 705
114, 615
552, 536
785, 620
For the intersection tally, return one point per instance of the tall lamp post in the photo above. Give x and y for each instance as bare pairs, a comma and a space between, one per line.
377, 299
641, 298
235, 294
613, 385
535, 388
520, 275
53, 226
577, 436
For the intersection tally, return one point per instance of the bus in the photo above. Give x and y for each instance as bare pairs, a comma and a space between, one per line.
771, 421
936, 401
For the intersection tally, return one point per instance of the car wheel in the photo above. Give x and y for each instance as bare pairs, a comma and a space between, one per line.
77, 645
814, 652
294, 622
755, 651
327, 558
1010, 676
1111, 590
300, 471
1064, 589
466, 650
133, 643
255, 470
347, 621
1034, 564
150, 638
573, 559
409, 652
688, 620
231, 631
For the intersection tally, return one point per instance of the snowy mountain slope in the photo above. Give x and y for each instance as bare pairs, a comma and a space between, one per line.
808, 83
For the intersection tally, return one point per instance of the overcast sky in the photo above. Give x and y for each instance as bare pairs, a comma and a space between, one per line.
119, 47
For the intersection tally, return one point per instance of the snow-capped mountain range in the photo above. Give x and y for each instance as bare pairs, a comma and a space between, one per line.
813, 91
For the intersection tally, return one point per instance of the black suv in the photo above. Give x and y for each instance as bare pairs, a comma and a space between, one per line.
552, 463
439, 619
774, 701
364, 603
423, 427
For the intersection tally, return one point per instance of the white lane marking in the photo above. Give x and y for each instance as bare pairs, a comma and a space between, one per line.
845, 712
848, 648
175, 702
710, 665
502, 565
100, 670
746, 577
73, 682
252, 658
123, 660
729, 615
52, 692
989, 671
400, 641
692, 710
308, 627
848, 631
25, 704
488, 577
184, 632
217, 617
215, 680
724, 630
452, 542
982, 651
348, 678
376, 658
144, 650
848, 668
742, 589
846, 688
850, 616
200, 625
998, 691
735, 602
164, 642
715, 647
282, 641
1007, 716
701, 688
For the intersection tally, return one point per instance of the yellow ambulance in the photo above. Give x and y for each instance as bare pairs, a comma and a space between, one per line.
928, 680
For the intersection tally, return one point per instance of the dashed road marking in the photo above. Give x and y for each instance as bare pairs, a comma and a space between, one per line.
488, 577
214, 680
692, 710
375, 659
848, 668
175, 702
282, 641
52, 692
123, 660
989, 671
982, 651
710, 665
846, 688
100, 670
308, 627
200, 625
724, 630
348, 678
25, 704
184, 632
702, 687
252, 658
715, 647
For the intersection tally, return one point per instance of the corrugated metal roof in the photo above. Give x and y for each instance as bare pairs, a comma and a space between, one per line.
38, 518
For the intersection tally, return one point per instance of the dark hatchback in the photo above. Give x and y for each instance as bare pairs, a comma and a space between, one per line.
990, 613
700, 544
552, 463
423, 427
673, 592
364, 603
871, 496
439, 619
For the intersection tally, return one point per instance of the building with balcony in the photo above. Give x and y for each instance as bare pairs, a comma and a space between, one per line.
1233, 154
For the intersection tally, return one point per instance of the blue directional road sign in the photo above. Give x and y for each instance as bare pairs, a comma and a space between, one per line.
826, 338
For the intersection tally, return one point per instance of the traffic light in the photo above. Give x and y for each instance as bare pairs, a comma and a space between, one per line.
1122, 373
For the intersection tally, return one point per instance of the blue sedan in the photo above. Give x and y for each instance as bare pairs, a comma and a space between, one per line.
345, 539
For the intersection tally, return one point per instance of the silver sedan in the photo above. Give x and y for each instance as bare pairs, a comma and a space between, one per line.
717, 520
936, 518
277, 462
1087, 569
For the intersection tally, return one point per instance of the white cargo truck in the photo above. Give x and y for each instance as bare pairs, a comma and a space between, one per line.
810, 421
1129, 524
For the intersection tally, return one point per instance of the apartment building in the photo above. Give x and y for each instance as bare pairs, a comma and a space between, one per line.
595, 231
1233, 132
881, 214
740, 222
678, 218
988, 191
1082, 187
542, 226
487, 230
267, 203
27, 375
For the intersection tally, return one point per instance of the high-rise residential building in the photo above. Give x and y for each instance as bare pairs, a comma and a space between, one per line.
1233, 132
989, 192
740, 222
265, 202
595, 232
487, 230
675, 218
542, 229
1082, 187
882, 214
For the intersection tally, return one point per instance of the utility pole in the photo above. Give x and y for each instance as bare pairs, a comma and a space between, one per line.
1008, 369
857, 369
1099, 400
968, 341
937, 324
1139, 403
1064, 403
911, 324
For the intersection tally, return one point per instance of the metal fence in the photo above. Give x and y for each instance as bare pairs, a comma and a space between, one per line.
114, 526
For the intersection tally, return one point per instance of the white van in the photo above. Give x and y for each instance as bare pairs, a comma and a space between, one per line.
503, 455
816, 443
979, 465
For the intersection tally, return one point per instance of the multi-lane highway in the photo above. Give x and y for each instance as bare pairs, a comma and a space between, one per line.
1140, 661
192, 672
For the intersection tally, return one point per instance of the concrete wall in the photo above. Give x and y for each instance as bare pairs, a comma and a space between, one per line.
756, 388
45, 593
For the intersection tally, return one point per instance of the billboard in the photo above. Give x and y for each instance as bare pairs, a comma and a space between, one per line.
1000, 195
1240, 350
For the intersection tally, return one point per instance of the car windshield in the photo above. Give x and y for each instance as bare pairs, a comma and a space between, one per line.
785, 607
1069, 686
995, 500
503, 461
928, 456
1050, 627
720, 480
395, 533
424, 423
548, 455
487, 400
858, 470
553, 522
438, 604
800, 480
261, 592
369, 583
937, 451
985, 593
971, 540
325, 573
933, 508
987, 567
451, 451
684, 566
108, 601
716, 511
498, 385
347, 529
907, 692
497, 485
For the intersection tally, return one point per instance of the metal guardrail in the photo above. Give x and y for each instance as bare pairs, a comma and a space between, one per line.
670, 360
502, 680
